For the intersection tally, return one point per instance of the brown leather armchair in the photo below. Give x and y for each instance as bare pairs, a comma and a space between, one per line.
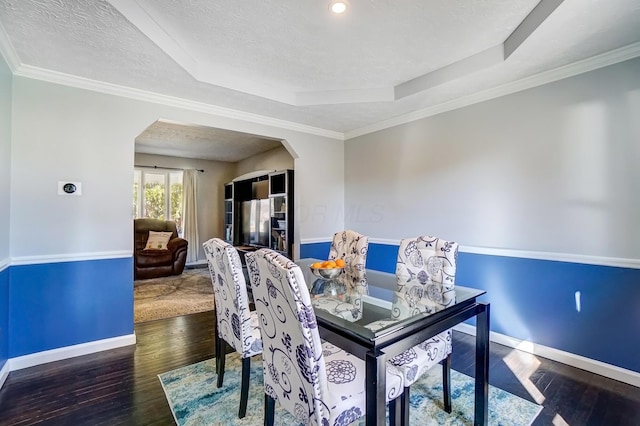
157, 263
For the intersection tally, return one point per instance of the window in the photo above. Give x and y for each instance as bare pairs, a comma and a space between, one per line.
157, 194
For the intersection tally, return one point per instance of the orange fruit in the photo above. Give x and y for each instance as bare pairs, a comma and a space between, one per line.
340, 263
316, 265
325, 264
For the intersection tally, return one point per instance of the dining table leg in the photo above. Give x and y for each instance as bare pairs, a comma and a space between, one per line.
376, 384
482, 366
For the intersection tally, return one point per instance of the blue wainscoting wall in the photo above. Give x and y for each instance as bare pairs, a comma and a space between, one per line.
4, 317
588, 310
317, 250
54, 305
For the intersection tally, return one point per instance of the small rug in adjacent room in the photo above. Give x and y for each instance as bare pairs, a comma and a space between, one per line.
195, 400
166, 297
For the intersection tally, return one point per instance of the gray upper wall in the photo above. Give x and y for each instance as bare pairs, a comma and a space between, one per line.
88, 137
550, 169
5, 158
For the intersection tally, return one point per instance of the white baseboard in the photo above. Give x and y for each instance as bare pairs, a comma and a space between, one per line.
591, 365
4, 373
58, 354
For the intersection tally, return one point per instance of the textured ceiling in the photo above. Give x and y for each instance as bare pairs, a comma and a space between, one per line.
190, 141
291, 60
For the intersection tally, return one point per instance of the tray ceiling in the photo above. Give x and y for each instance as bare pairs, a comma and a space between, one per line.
293, 61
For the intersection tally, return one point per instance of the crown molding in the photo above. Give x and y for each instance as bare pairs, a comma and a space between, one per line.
622, 54
64, 79
599, 61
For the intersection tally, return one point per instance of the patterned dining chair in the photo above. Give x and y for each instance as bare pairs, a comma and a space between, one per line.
318, 383
351, 247
236, 325
425, 274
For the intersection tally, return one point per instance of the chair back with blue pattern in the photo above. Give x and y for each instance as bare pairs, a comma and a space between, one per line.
230, 294
294, 368
352, 247
425, 274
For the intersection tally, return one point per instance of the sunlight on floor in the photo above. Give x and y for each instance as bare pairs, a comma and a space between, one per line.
523, 365
559, 421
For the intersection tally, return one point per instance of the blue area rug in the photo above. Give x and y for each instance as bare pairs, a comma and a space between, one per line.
195, 400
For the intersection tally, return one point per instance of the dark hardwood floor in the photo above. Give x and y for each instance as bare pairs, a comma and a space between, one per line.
121, 387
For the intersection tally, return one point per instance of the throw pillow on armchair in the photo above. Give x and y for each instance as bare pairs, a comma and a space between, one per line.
158, 240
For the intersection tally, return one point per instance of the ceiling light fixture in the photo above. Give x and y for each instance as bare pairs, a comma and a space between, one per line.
338, 6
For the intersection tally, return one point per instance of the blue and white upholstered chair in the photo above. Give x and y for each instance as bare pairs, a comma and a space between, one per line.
351, 247
236, 325
425, 273
318, 383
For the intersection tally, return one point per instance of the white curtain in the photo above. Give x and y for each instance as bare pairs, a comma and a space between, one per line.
189, 211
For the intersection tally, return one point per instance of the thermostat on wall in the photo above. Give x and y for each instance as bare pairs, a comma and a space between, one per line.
69, 188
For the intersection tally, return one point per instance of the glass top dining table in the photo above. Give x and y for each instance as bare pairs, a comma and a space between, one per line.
375, 322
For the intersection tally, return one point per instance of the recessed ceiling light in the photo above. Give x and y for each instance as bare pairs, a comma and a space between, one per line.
338, 6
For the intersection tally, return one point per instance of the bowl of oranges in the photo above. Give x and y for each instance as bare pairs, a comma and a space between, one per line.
328, 269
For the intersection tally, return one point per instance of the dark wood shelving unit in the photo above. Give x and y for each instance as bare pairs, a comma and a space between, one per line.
278, 189
281, 210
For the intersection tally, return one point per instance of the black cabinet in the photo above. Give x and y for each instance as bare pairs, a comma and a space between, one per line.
228, 213
281, 206
258, 212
